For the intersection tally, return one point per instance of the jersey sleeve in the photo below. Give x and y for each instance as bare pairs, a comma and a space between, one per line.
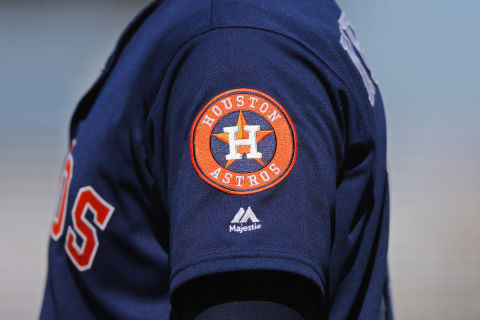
247, 144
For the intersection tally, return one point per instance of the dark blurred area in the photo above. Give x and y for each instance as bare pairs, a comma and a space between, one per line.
425, 57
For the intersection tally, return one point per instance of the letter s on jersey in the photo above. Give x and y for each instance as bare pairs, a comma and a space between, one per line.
87, 199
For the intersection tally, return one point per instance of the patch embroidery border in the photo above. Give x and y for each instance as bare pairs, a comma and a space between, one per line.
233, 182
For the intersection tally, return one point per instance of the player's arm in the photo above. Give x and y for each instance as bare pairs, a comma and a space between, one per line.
250, 220
249, 294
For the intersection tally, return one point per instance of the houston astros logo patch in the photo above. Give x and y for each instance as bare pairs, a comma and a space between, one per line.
243, 142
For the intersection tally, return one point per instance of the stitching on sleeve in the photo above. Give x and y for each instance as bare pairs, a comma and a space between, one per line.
251, 254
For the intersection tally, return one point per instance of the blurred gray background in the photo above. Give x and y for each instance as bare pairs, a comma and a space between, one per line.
426, 57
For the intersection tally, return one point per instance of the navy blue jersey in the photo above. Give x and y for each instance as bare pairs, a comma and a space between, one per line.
223, 136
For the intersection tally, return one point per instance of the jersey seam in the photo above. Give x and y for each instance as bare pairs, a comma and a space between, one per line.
245, 251
250, 254
212, 28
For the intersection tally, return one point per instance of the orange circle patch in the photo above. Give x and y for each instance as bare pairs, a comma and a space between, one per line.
243, 142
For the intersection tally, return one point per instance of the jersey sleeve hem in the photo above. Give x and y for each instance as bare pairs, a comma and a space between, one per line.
246, 261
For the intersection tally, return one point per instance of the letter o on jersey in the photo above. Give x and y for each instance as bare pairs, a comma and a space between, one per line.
242, 142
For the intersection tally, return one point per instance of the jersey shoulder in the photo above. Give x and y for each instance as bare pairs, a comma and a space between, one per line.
312, 24
319, 27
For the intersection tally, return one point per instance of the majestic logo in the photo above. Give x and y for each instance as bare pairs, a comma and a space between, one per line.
242, 217
243, 142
